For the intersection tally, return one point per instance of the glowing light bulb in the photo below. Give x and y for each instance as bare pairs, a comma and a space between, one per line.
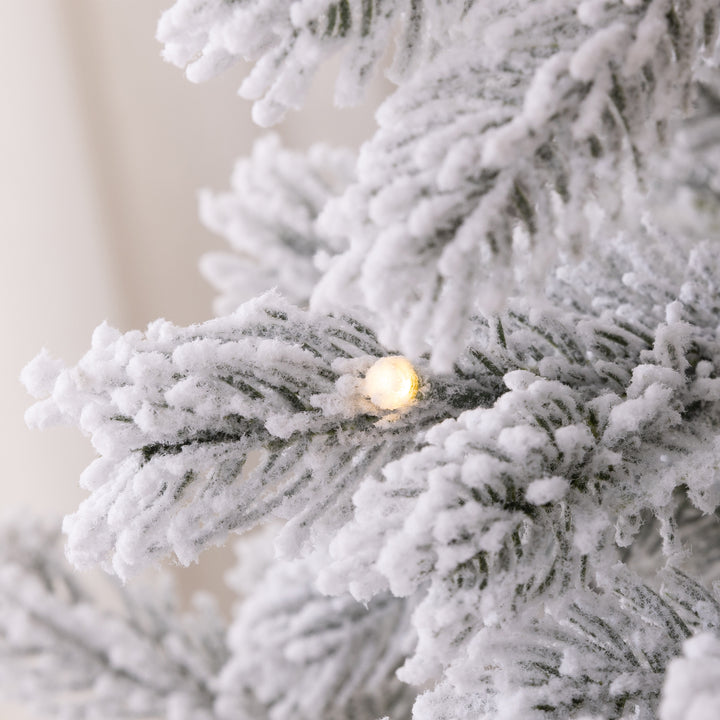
391, 383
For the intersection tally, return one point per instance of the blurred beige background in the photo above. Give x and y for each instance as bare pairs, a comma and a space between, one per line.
102, 149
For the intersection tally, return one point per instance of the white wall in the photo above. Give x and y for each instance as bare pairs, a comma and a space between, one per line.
102, 149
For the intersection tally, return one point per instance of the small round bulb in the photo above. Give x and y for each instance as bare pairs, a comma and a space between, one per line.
391, 383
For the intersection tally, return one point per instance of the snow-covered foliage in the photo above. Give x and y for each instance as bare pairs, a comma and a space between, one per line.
215, 427
496, 158
533, 533
488, 161
593, 654
534, 496
68, 657
269, 221
289, 40
306, 656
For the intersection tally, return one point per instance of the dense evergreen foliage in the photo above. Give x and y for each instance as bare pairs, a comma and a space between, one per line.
531, 531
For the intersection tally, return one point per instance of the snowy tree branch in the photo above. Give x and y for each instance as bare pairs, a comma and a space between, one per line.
305, 656
534, 495
216, 427
289, 40
269, 220
68, 657
496, 158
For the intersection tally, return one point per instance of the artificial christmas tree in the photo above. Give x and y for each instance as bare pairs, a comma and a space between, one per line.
468, 383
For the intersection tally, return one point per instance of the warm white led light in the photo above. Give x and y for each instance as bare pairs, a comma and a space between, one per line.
391, 383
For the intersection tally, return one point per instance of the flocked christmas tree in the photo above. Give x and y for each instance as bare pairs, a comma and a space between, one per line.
468, 381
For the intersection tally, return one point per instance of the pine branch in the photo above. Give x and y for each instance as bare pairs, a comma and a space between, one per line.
217, 427
598, 653
66, 656
491, 161
269, 221
534, 535
304, 656
604, 418
288, 41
